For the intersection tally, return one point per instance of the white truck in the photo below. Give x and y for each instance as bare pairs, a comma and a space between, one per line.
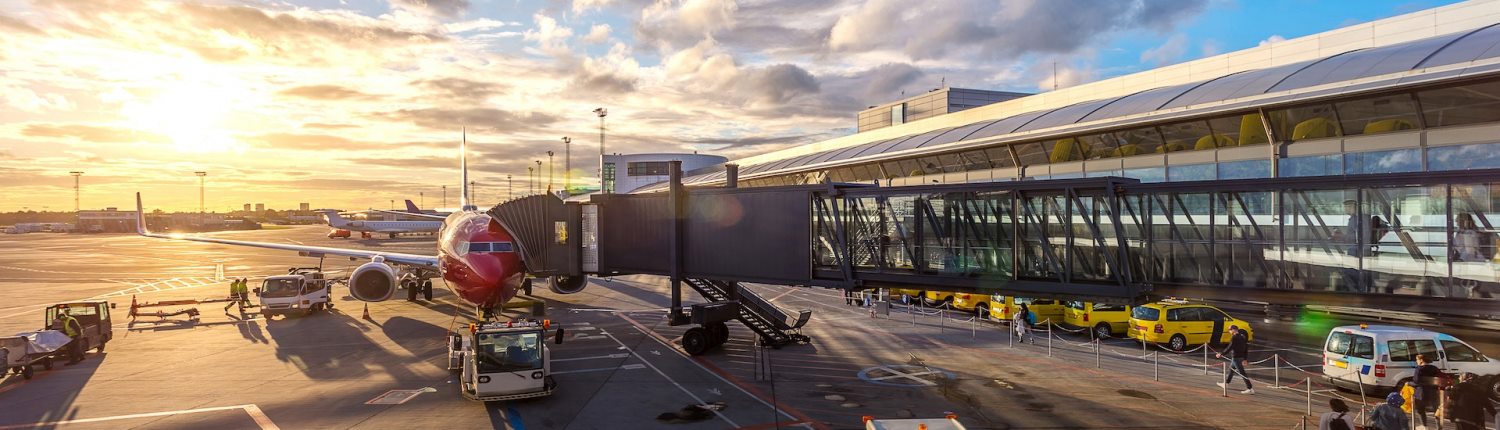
503, 360
301, 291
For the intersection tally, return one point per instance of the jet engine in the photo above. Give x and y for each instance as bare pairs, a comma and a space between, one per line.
568, 284
374, 281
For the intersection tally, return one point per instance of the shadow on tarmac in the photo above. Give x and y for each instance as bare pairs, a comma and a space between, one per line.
50, 394
332, 345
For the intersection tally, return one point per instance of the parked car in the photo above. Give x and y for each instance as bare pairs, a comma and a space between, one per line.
1383, 357
1102, 320
1047, 311
1180, 324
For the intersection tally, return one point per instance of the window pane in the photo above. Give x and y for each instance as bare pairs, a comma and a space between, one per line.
930, 165
1464, 157
1364, 347
1401, 160
1192, 172
1248, 169
1186, 136
1102, 173
910, 167
1138, 141
1000, 157
975, 160
892, 169
1147, 174
1457, 351
1100, 145
1306, 122
1317, 165
1031, 154
1065, 150
1376, 115
1467, 104
1240, 130
1338, 343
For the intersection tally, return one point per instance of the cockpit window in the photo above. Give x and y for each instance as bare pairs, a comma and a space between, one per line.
490, 247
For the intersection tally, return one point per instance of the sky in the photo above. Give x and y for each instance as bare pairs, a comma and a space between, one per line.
355, 103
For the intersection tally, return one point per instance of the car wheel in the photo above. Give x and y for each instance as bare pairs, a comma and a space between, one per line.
695, 341
1495, 388
1102, 331
1177, 343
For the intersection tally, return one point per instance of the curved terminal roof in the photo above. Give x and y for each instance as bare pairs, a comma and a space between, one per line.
1444, 50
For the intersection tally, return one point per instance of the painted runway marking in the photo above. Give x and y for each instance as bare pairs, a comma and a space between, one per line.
602, 369
396, 397
598, 357
253, 411
669, 379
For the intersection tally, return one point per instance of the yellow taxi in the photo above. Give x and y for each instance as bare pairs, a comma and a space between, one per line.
1178, 324
937, 298
906, 295
1100, 319
978, 303
1003, 308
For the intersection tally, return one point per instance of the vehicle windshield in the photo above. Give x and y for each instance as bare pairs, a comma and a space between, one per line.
281, 287
508, 352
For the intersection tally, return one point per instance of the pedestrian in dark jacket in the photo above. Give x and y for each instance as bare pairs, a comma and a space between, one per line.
1471, 403
1239, 357
1426, 381
1388, 416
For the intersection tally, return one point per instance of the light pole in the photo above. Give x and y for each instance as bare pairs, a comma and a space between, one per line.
393, 204
602, 112
510, 190
445, 196
473, 191
422, 196
567, 164
538, 176
550, 177
200, 195
530, 182
75, 189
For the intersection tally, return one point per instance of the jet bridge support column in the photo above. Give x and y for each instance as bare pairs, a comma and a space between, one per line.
675, 195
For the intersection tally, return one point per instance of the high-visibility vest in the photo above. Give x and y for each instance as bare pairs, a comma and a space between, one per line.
70, 326
239, 286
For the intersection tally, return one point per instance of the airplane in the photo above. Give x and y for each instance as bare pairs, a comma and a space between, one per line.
485, 276
391, 228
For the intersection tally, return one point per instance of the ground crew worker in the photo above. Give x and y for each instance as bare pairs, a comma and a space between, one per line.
74, 331
244, 291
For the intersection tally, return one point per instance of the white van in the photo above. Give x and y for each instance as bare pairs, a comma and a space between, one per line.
1382, 357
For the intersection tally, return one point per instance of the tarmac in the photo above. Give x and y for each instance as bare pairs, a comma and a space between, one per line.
620, 366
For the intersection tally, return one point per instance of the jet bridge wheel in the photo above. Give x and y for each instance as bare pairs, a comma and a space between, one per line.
696, 341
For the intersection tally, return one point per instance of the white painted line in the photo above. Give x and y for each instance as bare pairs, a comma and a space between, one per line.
669, 379
690, 359
619, 355
602, 369
254, 411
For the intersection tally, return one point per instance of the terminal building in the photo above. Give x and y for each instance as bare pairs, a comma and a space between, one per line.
1356, 166
625, 173
109, 220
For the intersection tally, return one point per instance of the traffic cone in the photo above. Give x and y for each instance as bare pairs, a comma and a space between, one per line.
367, 311
133, 306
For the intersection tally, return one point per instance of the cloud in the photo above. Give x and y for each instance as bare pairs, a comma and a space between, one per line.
12, 25
409, 162
780, 83
325, 92
305, 142
1168, 53
447, 8
951, 29
581, 6
462, 89
612, 74
90, 133
599, 33
551, 38
328, 126
687, 23
1275, 38
479, 119
1210, 48
747, 141
480, 24
7, 155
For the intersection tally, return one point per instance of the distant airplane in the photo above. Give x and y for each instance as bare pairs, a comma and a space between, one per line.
476, 257
411, 208
391, 228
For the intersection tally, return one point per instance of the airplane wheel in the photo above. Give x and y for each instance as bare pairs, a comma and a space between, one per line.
46, 363
411, 293
427, 289
100, 349
695, 341
718, 333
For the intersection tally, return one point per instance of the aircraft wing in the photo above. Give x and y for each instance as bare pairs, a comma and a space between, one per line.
311, 251
419, 215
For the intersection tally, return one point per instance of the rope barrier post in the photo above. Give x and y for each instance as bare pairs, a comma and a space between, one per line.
1155, 370
941, 317
1276, 366
1308, 381
974, 327
1205, 359
1011, 339
913, 313
1049, 337
1224, 388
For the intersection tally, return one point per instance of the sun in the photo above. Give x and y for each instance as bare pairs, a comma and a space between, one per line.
192, 117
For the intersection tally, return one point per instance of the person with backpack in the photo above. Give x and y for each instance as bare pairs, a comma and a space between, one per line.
1336, 419
1021, 323
1388, 416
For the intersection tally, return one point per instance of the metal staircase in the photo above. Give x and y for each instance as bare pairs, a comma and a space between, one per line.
775, 326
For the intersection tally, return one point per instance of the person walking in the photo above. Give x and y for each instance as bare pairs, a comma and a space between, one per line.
1021, 323
1239, 357
1335, 419
848, 297
1388, 416
73, 330
234, 294
1426, 394
1471, 403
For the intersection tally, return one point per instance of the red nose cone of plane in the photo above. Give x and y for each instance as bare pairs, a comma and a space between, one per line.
479, 260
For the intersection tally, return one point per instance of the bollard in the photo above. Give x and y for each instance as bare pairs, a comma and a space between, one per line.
1155, 370
1049, 338
1011, 339
1096, 353
1276, 367
974, 327
1224, 388
941, 317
